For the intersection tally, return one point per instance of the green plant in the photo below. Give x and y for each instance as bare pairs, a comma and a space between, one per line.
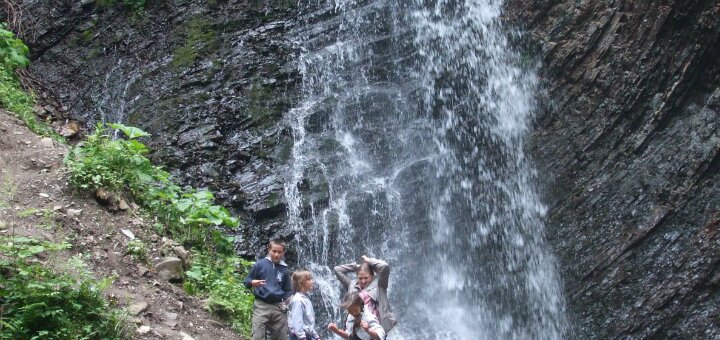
137, 250
13, 55
220, 277
40, 302
200, 38
120, 165
188, 215
7, 191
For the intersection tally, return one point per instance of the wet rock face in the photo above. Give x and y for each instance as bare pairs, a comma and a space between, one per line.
630, 138
210, 80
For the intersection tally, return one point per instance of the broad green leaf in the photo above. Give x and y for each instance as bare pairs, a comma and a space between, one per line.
129, 131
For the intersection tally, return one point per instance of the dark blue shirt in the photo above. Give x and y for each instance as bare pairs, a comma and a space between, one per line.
277, 281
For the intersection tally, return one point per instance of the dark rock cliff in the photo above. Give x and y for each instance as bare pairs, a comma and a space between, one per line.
630, 141
628, 134
210, 80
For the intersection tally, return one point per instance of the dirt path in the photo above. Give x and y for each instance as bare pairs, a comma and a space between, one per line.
35, 200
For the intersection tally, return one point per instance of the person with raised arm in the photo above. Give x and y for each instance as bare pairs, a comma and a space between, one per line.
371, 281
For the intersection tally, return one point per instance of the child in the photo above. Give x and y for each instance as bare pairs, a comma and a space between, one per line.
270, 280
302, 315
360, 323
372, 280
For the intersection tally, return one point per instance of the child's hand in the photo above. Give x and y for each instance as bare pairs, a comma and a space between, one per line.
332, 327
364, 258
364, 325
257, 283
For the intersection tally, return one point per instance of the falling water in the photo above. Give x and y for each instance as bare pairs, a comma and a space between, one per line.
409, 147
112, 96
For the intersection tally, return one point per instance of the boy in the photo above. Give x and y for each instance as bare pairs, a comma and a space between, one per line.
270, 280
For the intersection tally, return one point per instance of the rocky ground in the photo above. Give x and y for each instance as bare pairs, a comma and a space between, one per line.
36, 201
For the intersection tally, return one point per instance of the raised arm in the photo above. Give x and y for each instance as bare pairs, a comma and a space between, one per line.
381, 269
342, 271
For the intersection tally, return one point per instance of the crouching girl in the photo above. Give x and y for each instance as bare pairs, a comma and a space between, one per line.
360, 324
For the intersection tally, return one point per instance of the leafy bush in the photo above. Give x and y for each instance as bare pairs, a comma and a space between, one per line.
13, 55
37, 302
137, 250
189, 215
217, 277
121, 165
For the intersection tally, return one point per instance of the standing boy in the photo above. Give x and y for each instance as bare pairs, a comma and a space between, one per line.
270, 280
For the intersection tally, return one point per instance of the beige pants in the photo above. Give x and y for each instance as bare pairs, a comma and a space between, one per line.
268, 316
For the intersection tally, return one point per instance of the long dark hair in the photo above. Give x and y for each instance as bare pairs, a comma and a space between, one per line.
353, 299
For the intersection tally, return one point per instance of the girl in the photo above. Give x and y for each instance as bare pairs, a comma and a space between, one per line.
302, 315
360, 324
373, 291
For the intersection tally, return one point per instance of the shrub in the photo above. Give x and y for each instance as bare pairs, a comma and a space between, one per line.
13, 55
121, 165
187, 214
217, 277
38, 302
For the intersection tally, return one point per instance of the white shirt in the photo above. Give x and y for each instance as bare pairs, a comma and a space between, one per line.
373, 324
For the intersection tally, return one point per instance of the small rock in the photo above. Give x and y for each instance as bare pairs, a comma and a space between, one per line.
218, 324
128, 233
74, 212
141, 270
171, 268
122, 205
182, 254
42, 194
137, 308
185, 336
70, 129
103, 196
57, 207
47, 143
143, 329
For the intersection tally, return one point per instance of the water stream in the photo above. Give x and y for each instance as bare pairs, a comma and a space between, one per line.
409, 147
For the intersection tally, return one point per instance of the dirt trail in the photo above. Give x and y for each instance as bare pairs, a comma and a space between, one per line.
35, 200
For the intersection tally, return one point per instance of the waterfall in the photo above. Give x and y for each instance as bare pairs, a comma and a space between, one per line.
409, 147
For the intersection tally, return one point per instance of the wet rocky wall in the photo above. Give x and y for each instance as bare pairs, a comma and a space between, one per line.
627, 137
210, 80
629, 142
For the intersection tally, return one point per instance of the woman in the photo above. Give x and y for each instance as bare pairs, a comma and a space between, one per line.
371, 283
361, 324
